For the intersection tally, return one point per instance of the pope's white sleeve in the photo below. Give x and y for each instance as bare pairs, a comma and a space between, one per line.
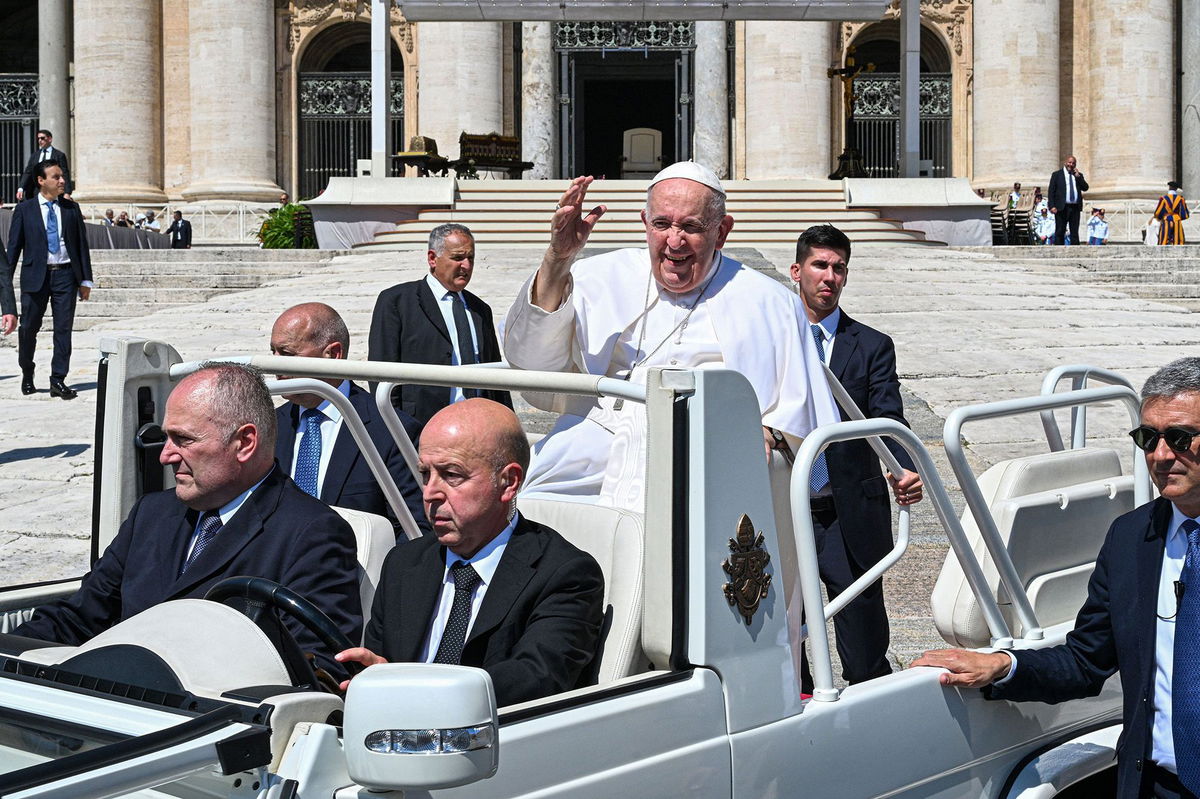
536, 339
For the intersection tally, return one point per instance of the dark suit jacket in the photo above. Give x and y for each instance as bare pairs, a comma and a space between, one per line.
28, 235
280, 533
28, 181
1114, 631
407, 327
1056, 195
864, 360
537, 629
8, 299
348, 479
184, 240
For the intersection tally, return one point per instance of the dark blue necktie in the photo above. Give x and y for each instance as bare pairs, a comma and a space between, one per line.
53, 243
462, 330
455, 635
1185, 677
210, 525
819, 478
308, 459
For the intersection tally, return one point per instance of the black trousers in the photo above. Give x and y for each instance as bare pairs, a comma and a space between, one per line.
861, 628
1068, 215
1162, 784
60, 292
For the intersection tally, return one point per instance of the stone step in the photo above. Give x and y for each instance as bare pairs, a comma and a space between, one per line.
635, 227
415, 241
152, 280
148, 296
216, 254
800, 216
267, 271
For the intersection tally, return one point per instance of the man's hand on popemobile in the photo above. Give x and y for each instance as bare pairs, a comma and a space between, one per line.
569, 233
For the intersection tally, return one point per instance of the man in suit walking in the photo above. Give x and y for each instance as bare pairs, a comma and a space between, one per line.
27, 186
314, 446
48, 229
436, 320
1141, 618
180, 231
232, 512
493, 590
1067, 186
852, 518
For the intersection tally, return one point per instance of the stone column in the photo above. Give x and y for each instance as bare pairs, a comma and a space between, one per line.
1189, 101
787, 99
1016, 124
539, 100
54, 64
711, 140
1132, 87
232, 47
461, 70
119, 126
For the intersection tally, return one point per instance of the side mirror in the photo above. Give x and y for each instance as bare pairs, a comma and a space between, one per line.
420, 726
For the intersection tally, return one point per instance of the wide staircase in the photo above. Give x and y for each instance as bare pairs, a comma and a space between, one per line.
767, 213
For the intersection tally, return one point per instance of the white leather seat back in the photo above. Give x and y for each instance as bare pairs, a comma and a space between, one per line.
614, 538
374, 537
1052, 511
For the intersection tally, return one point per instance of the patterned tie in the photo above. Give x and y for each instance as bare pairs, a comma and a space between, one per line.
308, 460
462, 329
1185, 678
819, 478
210, 525
455, 634
52, 240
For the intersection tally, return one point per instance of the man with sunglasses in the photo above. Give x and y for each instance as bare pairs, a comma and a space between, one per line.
1142, 613
27, 186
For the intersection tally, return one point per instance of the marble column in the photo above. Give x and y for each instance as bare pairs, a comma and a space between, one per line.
1016, 120
1133, 99
711, 139
119, 159
787, 99
232, 48
459, 83
1189, 101
54, 65
539, 100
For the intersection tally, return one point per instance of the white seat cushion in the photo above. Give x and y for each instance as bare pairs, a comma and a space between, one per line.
374, 537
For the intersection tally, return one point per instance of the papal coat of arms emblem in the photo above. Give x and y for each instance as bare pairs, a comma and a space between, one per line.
747, 570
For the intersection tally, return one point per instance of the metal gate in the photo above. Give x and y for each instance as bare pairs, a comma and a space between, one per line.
335, 126
18, 123
877, 123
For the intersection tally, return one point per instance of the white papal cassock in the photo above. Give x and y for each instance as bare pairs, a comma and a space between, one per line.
615, 320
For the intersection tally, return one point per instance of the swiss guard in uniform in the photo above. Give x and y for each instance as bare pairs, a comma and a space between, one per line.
1171, 211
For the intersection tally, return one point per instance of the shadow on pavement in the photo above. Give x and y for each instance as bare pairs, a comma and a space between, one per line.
32, 453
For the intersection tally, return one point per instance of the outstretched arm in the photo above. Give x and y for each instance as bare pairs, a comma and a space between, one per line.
569, 233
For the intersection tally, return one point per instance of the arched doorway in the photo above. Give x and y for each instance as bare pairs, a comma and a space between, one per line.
334, 92
877, 101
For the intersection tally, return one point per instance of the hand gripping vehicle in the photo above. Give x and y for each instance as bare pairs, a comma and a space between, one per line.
698, 691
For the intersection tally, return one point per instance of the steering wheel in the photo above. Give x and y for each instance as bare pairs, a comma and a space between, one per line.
273, 595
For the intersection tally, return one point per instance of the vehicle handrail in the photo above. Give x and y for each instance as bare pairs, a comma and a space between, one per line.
391, 420
1079, 374
806, 546
350, 417
952, 438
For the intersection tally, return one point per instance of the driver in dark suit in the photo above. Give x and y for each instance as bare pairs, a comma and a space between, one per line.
493, 590
232, 512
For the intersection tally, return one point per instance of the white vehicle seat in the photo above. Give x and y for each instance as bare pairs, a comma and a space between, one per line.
1052, 511
614, 538
374, 537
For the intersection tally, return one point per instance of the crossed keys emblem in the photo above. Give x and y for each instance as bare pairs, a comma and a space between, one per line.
747, 570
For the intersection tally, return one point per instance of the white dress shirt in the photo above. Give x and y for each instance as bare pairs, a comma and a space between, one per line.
446, 300
61, 256
331, 427
485, 562
1072, 191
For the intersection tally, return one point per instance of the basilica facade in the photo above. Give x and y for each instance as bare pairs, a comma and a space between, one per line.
168, 101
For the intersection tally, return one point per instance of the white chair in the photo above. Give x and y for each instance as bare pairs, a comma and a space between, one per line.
374, 537
641, 153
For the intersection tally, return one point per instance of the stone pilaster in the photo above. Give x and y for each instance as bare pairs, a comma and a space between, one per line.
54, 64
787, 99
1016, 120
539, 101
459, 82
1189, 101
118, 123
711, 139
232, 48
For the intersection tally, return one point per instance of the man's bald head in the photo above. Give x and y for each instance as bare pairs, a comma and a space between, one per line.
489, 428
310, 330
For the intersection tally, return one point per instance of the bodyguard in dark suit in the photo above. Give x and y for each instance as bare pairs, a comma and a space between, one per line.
27, 186
48, 229
1065, 199
852, 516
1141, 617
436, 320
492, 590
341, 475
180, 231
232, 512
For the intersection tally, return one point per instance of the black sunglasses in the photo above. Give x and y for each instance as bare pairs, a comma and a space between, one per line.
1178, 438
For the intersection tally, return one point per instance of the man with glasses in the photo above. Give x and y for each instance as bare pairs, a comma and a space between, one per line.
27, 186
680, 302
1142, 614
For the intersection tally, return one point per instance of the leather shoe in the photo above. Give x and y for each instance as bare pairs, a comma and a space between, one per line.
27, 386
60, 389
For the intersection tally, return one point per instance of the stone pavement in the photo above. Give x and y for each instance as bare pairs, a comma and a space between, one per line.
969, 327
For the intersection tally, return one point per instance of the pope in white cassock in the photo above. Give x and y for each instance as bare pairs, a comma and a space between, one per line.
680, 302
